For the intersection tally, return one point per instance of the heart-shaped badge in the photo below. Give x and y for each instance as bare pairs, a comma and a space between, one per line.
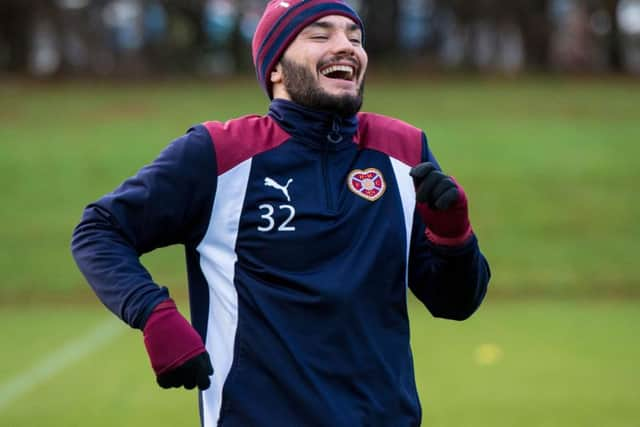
368, 184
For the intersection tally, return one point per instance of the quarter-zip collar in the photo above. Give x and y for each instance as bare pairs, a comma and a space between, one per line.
318, 129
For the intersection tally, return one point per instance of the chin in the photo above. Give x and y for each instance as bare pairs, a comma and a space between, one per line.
340, 92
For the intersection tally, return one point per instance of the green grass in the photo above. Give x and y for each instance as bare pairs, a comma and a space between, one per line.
550, 166
557, 364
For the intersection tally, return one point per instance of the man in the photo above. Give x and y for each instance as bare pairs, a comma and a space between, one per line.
303, 229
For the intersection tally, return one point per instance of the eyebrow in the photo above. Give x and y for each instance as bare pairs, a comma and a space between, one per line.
329, 26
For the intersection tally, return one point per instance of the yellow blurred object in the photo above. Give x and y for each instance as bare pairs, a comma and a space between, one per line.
488, 354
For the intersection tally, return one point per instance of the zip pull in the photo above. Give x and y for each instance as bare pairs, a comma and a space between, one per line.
335, 136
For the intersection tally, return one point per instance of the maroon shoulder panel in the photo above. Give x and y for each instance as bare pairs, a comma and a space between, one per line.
393, 137
243, 138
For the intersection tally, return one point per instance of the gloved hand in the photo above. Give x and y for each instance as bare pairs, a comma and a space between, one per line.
442, 203
175, 349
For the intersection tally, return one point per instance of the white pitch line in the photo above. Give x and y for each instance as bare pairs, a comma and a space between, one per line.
58, 360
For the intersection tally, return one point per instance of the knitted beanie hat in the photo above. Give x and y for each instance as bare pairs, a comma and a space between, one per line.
281, 22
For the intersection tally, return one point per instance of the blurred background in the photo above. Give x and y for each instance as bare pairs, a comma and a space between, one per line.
532, 104
211, 37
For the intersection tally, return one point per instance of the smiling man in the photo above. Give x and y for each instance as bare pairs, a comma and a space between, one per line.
303, 229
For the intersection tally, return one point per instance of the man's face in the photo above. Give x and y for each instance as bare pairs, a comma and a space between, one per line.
324, 67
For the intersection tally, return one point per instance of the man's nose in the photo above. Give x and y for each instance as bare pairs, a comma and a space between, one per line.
342, 44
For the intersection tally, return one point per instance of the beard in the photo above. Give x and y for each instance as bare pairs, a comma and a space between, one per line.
304, 89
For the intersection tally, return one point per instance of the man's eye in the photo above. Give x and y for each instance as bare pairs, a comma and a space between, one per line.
319, 37
356, 41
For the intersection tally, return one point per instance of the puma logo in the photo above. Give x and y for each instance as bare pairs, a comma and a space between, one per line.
268, 182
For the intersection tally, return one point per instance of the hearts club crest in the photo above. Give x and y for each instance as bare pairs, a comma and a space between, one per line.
368, 184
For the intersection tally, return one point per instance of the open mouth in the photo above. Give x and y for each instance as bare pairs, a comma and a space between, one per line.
339, 72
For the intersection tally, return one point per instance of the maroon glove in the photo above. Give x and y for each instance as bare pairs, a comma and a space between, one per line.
442, 204
175, 349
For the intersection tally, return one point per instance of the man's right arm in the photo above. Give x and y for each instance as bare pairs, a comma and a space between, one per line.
167, 202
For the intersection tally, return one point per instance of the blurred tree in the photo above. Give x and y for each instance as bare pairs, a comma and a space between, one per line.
615, 54
530, 16
380, 18
533, 18
15, 17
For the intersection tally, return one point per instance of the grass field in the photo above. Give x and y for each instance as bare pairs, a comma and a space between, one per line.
528, 364
551, 167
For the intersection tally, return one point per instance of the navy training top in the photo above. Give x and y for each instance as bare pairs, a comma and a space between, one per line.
301, 239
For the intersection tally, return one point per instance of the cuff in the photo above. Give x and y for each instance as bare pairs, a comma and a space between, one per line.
457, 241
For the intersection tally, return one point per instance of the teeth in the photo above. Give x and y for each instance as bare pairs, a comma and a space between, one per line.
334, 68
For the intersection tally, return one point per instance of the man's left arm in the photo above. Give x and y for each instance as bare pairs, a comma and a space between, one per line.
447, 271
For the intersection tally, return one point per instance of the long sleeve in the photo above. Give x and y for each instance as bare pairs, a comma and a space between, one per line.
450, 281
167, 202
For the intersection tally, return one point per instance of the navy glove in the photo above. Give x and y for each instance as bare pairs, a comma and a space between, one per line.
177, 354
442, 204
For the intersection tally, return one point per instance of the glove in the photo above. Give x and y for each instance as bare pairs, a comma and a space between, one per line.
442, 204
177, 354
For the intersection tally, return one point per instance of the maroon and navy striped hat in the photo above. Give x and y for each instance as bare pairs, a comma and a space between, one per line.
280, 24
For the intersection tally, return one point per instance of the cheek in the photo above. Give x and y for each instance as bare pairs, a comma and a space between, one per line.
364, 62
313, 61
303, 55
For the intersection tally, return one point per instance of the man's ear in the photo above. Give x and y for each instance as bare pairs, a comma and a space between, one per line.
276, 74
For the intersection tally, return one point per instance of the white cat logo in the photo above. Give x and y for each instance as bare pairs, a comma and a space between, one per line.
285, 189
